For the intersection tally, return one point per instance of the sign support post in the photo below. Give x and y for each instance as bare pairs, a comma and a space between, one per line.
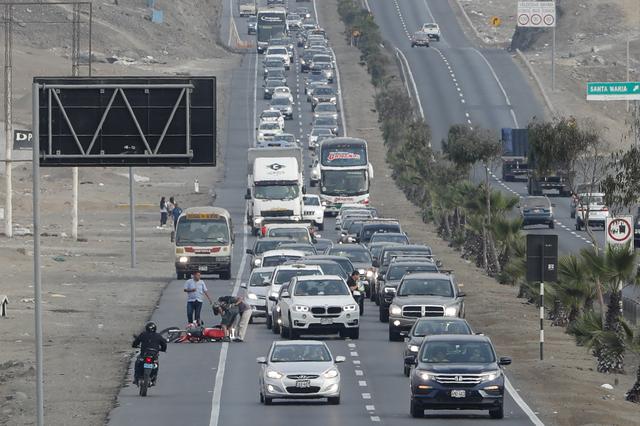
553, 60
132, 219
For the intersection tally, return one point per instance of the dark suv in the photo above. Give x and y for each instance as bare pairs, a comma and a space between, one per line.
372, 227
457, 372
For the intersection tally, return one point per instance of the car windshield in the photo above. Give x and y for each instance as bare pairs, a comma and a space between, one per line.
321, 288
300, 353
325, 121
426, 287
305, 248
437, 326
590, 199
322, 244
388, 254
276, 192
325, 108
322, 58
389, 237
273, 83
284, 276
263, 245
369, 230
287, 137
258, 279
396, 272
354, 227
311, 201
318, 132
277, 51
345, 182
323, 91
269, 126
457, 352
209, 232
280, 101
278, 260
271, 114
297, 234
273, 63
355, 256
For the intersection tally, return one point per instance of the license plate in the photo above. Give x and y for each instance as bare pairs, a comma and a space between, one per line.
326, 320
537, 210
149, 366
203, 268
303, 383
458, 394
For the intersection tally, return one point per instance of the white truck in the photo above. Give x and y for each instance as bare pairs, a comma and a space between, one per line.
247, 7
275, 186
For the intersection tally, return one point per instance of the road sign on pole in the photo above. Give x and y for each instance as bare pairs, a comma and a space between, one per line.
495, 21
613, 91
536, 14
619, 230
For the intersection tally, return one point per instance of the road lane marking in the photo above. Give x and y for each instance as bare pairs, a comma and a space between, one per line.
375, 418
354, 354
362, 383
366, 396
370, 407
523, 405
359, 373
356, 361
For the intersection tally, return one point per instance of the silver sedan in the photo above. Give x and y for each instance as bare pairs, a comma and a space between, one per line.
302, 369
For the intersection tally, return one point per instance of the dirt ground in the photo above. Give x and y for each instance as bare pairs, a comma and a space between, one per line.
563, 389
591, 42
92, 300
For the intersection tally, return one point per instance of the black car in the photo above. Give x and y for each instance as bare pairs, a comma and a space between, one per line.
264, 244
323, 244
457, 372
252, 25
388, 237
420, 38
425, 327
370, 228
344, 262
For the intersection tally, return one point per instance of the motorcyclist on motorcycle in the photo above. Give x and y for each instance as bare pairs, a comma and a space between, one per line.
354, 285
150, 343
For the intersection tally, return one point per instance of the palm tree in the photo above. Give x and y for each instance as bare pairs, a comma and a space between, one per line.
508, 233
633, 344
574, 291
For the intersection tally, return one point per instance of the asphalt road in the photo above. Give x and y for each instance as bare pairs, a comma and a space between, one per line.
216, 383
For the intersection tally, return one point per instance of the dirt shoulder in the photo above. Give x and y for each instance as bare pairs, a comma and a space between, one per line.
564, 389
590, 46
92, 300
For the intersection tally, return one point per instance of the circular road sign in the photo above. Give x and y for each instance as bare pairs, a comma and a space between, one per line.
523, 19
536, 19
548, 20
619, 229
495, 21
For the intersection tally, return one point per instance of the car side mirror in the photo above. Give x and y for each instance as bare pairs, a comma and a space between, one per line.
410, 359
504, 360
285, 295
273, 298
249, 251
261, 360
462, 294
243, 285
404, 333
247, 195
340, 359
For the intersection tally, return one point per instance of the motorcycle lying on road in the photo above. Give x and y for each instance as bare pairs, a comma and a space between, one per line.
192, 334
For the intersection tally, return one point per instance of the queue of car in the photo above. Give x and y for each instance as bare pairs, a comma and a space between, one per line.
298, 280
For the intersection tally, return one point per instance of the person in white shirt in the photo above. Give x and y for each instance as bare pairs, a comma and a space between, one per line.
195, 289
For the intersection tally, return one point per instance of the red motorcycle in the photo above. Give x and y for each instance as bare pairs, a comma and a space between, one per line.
193, 333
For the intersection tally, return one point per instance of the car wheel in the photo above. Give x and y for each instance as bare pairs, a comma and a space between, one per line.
334, 400
417, 410
384, 314
320, 226
268, 401
275, 327
407, 370
376, 298
261, 398
251, 319
498, 413
179, 276
394, 336
293, 333
225, 275
268, 322
573, 215
284, 331
552, 225
354, 333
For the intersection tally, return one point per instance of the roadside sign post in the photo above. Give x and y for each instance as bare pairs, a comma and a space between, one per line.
132, 219
542, 266
619, 233
540, 14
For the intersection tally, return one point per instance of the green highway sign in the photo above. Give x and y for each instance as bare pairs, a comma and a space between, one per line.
613, 91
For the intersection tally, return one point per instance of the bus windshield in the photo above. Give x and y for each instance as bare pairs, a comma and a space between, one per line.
202, 232
344, 182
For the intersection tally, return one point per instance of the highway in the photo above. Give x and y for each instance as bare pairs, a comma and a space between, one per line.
216, 383
458, 83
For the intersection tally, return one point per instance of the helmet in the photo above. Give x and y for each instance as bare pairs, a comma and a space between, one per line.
151, 327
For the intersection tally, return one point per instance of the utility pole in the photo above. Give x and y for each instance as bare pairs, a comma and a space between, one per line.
8, 136
75, 65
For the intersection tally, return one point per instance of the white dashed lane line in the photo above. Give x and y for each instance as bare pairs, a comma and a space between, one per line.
366, 396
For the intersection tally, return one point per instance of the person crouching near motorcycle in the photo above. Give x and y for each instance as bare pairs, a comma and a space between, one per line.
352, 282
150, 343
228, 313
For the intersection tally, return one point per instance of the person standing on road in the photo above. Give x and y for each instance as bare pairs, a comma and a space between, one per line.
170, 205
352, 282
163, 212
242, 320
195, 288
176, 212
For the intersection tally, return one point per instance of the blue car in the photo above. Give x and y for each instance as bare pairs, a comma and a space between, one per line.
537, 210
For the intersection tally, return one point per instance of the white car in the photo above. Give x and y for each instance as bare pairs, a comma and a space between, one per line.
314, 175
318, 304
277, 257
280, 52
282, 275
432, 30
294, 21
316, 133
326, 109
594, 204
284, 105
266, 131
313, 210
272, 116
256, 291
296, 231
282, 92
299, 370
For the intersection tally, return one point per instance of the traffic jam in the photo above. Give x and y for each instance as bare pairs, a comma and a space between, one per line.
312, 278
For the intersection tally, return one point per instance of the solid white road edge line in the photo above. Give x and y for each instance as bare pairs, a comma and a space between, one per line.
523, 405
413, 81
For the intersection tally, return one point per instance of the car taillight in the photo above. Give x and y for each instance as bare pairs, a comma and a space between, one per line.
263, 231
148, 360
605, 209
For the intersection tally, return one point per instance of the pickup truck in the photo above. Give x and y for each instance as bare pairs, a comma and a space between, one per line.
432, 30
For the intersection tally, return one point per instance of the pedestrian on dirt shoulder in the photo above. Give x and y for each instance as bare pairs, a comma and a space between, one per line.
195, 289
163, 211
170, 205
176, 212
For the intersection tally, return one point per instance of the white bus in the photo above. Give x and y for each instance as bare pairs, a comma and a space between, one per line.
345, 173
272, 23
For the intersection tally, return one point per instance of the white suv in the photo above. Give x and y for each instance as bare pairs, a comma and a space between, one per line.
282, 274
313, 304
313, 210
280, 52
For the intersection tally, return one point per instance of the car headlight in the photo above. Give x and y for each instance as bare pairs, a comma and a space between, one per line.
252, 296
324, 204
274, 294
389, 289
350, 308
257, 262
425, 375
183, 259
301, 308
330, 374
491, 375
332, 100
451, 311
272, 374
395, 310
414, 348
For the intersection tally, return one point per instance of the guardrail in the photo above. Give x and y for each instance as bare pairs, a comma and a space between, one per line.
631, 310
